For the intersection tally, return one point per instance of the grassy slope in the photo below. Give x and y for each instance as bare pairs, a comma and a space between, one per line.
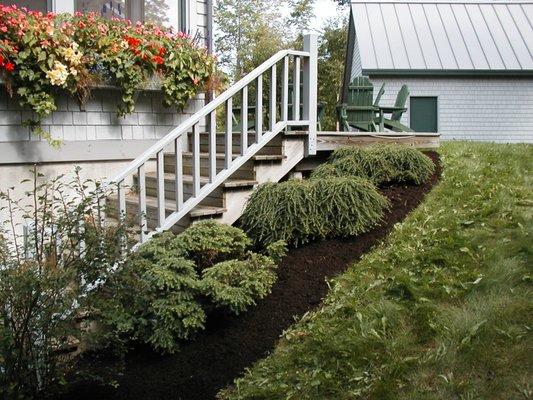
443, 310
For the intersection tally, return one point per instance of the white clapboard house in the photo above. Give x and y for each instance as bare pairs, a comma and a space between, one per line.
468, 63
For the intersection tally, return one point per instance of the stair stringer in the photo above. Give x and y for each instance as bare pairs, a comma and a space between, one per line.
235, 199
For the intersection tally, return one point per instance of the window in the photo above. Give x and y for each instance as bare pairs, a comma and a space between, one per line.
105, 8
423, 114
37, 5
170, 13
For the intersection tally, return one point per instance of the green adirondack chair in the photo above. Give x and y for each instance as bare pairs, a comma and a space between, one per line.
393, 123
380, 93
358, 113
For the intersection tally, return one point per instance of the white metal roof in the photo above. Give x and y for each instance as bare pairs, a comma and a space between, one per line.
438, 35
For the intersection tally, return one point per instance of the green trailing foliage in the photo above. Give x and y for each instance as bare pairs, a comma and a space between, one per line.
380, 163
165, 291
298, 211
237, 284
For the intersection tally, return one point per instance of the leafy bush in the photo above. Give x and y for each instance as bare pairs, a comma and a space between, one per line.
237, 284
379, 163
154, 300
282, 211
49, 275
348, 206
298, 211
209, 242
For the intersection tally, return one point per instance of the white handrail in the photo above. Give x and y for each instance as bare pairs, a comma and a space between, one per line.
204, 112
305, 60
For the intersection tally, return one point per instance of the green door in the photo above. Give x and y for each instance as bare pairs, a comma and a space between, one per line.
423, 114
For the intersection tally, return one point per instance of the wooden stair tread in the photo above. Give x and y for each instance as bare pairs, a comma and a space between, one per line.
229, 183
259, 157
170, 205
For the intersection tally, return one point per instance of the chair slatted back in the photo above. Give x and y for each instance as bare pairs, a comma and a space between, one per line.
401, 100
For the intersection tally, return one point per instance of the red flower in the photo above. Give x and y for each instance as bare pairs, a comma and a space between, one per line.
9, 66
158, 60
162, 51
132, 41
1, 61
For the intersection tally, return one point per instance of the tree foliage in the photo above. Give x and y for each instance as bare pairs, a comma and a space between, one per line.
250, 31
331, 62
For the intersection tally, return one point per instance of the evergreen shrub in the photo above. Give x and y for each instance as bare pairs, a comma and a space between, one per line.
237, 284
299, 211
380, 163
164, 292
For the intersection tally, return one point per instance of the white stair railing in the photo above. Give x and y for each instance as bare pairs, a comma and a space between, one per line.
304, 62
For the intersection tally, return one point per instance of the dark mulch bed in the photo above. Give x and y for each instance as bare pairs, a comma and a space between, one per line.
230, 344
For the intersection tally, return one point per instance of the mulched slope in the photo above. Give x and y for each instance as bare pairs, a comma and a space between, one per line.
230, 344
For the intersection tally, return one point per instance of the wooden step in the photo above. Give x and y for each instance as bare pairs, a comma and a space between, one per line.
132, 210
273, 147
246, 172
215, 198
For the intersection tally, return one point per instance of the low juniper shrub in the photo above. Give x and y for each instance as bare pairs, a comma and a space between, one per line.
298, 211
282, 211
380, 163
348, 206
153, 299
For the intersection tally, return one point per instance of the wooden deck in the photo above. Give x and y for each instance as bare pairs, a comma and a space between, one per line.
328, 141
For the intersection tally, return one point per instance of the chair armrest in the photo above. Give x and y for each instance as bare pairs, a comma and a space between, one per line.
361, 108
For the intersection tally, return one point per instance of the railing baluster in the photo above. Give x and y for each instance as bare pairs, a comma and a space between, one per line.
244, 120
121, 192
142, 202
285, 90
160, 188
178, 172
259, 109
229, 132
212, 146
296, 90
195, 160
272, 108
310, 87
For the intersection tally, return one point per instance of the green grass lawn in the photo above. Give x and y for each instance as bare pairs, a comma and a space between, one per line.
442, 310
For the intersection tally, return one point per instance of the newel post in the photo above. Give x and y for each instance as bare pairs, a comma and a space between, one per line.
310, 89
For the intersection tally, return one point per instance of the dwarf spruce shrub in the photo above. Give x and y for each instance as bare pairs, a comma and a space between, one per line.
380, 163
209, 242
237, 284
166, 289
155, 301
298, 211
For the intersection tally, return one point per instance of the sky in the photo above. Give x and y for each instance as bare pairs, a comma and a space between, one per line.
323, 10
